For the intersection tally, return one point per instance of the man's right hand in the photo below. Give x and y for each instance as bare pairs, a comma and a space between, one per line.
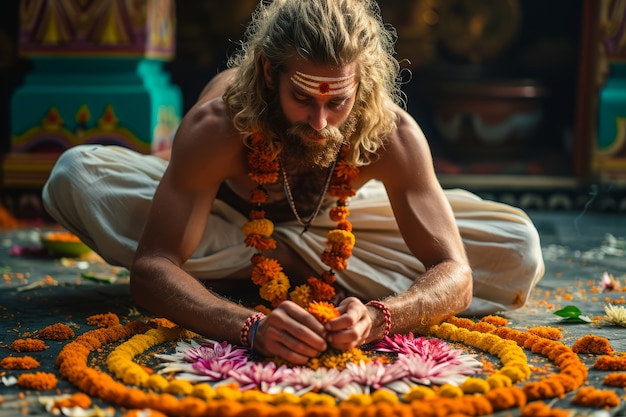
291, 333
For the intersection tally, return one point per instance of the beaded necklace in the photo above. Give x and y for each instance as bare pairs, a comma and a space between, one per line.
292, 203
267, 272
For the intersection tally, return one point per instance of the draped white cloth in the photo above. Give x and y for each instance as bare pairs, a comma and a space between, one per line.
103, 194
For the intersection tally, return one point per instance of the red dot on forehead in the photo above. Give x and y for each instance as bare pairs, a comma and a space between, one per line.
324, 88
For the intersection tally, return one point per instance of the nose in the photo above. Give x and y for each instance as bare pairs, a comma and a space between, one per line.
318, 117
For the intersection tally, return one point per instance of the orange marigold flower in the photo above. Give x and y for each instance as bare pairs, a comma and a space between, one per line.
257, 214
79, 399
103, 320
483, 327
495, 320
258, 195
57, 331
615, 379
342, 191
276, 289
329, 277
260, 243
265, 270
338, 263
345, 172
541, 409
610, 363
344, 225
339, 213
28, 345
37, 381
593, 345
323, 311
592, 397
546, 332
321, 290
25, 362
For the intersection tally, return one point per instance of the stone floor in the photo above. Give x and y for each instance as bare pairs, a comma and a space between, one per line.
578, 248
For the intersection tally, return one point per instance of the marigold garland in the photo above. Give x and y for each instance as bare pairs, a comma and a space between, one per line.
267, 273
229, 401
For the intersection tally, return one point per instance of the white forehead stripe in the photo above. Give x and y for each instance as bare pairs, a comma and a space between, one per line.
324, 85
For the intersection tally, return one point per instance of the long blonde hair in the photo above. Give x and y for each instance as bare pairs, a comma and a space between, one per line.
333, 32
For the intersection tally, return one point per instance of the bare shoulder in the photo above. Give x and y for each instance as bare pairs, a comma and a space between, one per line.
207, 147
406, 152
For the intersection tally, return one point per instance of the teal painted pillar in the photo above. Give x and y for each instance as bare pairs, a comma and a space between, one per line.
612, 111
97, 76
609, 160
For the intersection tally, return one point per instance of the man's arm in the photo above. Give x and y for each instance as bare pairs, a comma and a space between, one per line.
427, 224
207, 151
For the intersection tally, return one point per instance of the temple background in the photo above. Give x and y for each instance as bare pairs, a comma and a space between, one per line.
522, 101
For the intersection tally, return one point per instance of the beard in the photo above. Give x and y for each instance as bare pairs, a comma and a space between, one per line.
321, 153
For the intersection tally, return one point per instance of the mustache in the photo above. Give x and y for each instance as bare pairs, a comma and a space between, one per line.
303, 129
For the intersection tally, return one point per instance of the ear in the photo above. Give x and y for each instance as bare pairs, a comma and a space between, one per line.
267, 72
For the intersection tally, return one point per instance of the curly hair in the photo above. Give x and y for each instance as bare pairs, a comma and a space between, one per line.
327, 32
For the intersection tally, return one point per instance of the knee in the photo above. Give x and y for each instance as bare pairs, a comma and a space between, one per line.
66, 176
532, 263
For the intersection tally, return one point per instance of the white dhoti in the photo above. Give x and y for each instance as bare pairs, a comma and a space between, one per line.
103, 194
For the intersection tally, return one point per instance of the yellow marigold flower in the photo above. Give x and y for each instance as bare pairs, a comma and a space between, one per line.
263, 227
384, 395
255, 396
156, 382
312, 398
285, 398
450, 391
419, 392
180, 387
487, 341
514, 372
227, 392
323, 311
276, 289
359, 399
203, 391
265, 270
341, 236
301, 295
499, 380
134, 375
475, 386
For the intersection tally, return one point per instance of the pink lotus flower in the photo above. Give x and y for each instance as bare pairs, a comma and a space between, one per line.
210, 359
265, 376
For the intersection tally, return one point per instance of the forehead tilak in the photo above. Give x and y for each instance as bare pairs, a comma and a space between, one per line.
324, 85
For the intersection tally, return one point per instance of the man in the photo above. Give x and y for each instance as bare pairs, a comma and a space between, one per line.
314, 88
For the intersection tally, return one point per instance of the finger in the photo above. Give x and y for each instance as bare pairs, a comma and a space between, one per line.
351, 337
284, 345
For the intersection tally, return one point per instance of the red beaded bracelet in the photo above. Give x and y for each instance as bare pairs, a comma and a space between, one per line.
245, 329
386, 314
